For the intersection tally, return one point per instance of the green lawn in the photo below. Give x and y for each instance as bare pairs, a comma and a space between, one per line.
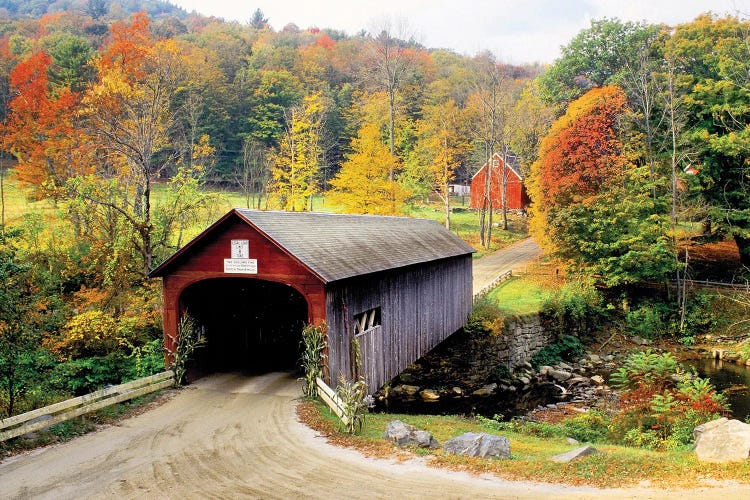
519, 295
616, 466
464, 222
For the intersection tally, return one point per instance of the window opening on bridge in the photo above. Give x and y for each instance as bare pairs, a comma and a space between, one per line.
366, 321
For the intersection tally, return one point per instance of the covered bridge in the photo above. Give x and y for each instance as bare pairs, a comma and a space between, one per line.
397, 285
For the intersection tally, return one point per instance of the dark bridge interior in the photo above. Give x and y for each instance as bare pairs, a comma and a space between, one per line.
249, 325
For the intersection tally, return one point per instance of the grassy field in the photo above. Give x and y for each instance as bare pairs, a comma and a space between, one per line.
520, 295
22, 210
617, 466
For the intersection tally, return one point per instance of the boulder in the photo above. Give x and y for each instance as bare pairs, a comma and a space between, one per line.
576, 454
429, 395
407, 435
560, 375
486, 390
409, 390
481, 445
640, 340
722, 440
598, 379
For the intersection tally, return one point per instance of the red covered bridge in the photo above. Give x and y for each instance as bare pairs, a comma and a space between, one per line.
397, 285
517, 199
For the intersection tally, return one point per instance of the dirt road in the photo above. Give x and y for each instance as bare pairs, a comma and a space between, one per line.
489, 267
230, 436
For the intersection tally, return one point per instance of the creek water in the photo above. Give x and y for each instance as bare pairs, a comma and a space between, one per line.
731, 378
506, 403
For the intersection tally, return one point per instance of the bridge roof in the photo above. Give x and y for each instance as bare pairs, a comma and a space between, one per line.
339, 246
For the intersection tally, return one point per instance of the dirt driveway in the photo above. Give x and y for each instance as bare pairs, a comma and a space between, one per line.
230, 436
514, 257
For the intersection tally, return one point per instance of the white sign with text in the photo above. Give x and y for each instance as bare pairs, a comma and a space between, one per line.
241, 266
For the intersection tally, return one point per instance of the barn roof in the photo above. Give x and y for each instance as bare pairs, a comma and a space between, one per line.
512, 163
339, 246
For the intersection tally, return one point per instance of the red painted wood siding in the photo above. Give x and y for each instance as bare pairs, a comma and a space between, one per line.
206, 260
516, 192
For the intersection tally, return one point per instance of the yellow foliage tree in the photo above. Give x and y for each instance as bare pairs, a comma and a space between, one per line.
443, 145
297, 162
363, 184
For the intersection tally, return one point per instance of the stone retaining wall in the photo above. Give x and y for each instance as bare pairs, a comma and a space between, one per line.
471, 360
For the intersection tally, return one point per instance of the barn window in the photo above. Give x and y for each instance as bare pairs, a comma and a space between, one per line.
366, 321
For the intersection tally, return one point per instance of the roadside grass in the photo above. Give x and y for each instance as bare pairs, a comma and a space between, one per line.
519, 295
617, 466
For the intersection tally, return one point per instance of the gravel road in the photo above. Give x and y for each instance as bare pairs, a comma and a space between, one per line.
231, 436
515, 258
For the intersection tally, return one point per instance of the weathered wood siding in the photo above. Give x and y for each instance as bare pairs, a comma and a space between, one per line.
420, 306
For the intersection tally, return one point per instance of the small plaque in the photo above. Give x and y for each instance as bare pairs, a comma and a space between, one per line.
241, 266
240, 249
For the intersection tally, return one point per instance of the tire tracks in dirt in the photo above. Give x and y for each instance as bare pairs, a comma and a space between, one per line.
230, 436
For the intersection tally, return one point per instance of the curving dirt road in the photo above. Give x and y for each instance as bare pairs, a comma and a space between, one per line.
230, 436
514, 257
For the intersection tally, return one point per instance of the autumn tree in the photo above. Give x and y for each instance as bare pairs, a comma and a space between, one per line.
363, 185
42, 131
7, 62
389, 61
130, 112
444, 146
297, 162
592, 206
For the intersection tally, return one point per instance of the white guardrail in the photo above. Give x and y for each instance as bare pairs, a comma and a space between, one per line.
24, 423
502, 277
330, 398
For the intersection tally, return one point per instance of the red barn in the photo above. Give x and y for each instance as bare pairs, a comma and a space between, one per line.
515, 190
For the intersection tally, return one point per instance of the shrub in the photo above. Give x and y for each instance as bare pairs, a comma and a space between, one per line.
662, 402
577, 308
648, 321
587, 427
485, 319
567, 347
85, 375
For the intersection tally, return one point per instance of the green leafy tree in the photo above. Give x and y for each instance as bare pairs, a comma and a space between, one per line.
714, 53
20, 304
595, 57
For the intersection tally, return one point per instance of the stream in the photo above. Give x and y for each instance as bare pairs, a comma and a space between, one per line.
731, 378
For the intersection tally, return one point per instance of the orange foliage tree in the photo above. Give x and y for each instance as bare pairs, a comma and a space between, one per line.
592, 205
42, 129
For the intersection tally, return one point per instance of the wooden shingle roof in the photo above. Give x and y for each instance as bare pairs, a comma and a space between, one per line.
339, 246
